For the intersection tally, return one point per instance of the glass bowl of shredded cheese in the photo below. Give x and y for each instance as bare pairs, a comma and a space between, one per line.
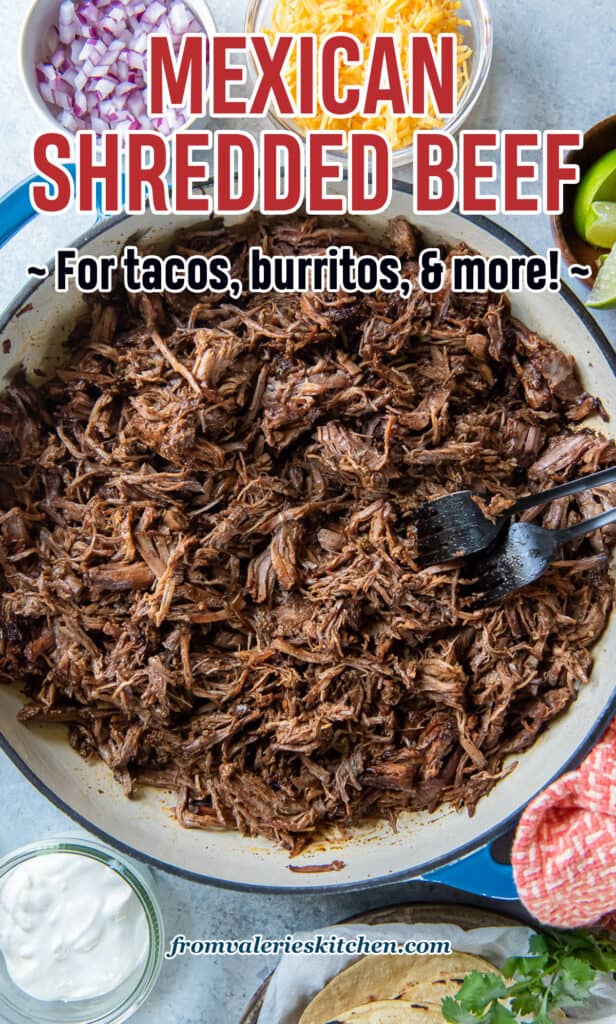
468, 20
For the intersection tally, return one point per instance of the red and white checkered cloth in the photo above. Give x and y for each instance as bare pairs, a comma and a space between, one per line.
564, 854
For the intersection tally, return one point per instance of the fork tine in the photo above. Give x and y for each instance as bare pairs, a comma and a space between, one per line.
423, 514
427, 526
433, 534
439, 541
443, 506
436, 543
479, 585
491, 586
445, 544
448, 525
486, 580
488, 567
432, 558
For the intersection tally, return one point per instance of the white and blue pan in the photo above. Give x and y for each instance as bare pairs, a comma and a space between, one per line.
447, 846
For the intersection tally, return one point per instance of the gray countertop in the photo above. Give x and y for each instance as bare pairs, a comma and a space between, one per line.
553, 68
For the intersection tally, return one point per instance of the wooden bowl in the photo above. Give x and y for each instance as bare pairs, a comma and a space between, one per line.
599, 139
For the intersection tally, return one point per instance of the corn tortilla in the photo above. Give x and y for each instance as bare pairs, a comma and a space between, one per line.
388, 1011
418, 980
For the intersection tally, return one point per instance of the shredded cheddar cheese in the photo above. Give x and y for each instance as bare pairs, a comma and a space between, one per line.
364, 19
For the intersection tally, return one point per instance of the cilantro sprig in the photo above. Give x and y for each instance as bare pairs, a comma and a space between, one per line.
558, 972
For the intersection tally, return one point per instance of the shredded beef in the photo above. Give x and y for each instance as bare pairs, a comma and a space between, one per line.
208, 553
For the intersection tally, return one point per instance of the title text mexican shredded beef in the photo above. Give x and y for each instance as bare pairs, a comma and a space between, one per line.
208, 552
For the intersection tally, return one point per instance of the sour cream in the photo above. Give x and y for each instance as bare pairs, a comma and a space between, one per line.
70, 927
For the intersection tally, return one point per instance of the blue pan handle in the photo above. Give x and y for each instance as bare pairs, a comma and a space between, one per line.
16, 209
479, 874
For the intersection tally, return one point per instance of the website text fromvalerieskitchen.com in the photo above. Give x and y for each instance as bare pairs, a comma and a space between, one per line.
323, 945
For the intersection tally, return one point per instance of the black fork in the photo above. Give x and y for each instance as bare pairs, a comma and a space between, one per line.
522, 557
454, 526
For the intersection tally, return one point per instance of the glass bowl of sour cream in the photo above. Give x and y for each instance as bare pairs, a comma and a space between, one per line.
81, 934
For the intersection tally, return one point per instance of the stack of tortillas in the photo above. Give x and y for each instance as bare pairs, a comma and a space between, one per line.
393, 990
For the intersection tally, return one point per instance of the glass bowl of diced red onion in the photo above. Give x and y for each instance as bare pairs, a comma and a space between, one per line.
84, 62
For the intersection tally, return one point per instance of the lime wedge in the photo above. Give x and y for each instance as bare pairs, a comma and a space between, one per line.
600, 227
599, 182
603, 295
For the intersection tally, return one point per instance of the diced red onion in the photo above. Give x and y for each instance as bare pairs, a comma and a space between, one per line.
68, 120
61, 86
86, 50
91, 13
101, 71
136, 103
95, 74
46, 72
124, 88
59, 60
154, 12
136, 61
108, 111
67, 22
104, 88
179, 18
80, 104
